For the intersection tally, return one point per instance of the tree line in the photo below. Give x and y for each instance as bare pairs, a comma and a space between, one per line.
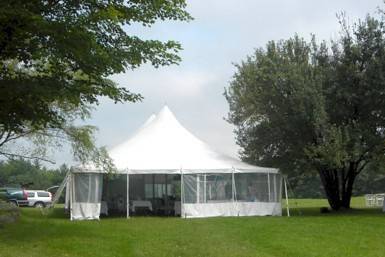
18, 172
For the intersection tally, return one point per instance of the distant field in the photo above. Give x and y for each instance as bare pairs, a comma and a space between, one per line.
358, 232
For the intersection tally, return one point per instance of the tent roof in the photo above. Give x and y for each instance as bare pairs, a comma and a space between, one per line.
163, 144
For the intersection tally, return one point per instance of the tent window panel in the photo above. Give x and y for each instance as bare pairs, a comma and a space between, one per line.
159, 190
201, 188
148, 187
87, 188
218, 188
174, 187
190, 188
159, 186
81, 188
169, 190
137, 187
278, 185
155, 186
275, 187
148, 191
252, 187
96, 184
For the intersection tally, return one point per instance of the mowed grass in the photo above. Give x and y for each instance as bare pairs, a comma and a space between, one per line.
358, 232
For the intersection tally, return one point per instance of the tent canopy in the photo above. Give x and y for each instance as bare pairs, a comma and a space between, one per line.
160, 147
163, 145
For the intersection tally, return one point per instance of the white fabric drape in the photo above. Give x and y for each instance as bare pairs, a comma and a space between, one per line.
86, 195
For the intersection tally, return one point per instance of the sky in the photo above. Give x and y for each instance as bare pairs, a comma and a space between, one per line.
223, 33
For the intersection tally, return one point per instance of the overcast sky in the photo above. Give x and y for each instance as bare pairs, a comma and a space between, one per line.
223, 32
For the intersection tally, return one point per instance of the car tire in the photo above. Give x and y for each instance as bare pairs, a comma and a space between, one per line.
39, 205
13, 203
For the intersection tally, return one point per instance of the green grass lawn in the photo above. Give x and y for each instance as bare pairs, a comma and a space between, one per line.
358, 232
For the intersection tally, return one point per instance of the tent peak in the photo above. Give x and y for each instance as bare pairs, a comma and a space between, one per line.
165, 108
165, 144
165, 112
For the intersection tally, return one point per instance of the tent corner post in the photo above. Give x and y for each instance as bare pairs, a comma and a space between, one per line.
232, 184
234, 192
128, 196
182, 194
72, 194
287, 198
268, 186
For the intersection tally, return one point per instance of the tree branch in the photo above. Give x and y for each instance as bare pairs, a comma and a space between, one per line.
12, 155
5, 140
12, 136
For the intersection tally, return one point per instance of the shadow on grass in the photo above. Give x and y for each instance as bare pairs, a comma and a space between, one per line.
316, 212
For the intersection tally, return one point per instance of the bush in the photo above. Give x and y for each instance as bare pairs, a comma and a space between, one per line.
8, 213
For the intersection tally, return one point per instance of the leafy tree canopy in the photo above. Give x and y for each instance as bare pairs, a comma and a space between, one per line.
19, 172
304, 106
55, 59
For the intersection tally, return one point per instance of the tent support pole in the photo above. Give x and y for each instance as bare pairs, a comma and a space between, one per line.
128, 196
182, 194
234, 192
232, 185
198, 187
287, 198
275, 188
268, 186
204, 188
71, 193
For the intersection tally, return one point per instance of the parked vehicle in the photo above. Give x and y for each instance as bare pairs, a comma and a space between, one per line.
15, 196
52, 190
39, 198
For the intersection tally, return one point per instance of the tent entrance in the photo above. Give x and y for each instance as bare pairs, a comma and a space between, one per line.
149, 194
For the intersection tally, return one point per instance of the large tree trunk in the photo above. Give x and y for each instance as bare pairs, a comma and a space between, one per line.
348, 185
338, 185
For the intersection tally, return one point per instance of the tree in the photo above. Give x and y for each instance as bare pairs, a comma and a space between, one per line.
19, 172
307, 106
55, 59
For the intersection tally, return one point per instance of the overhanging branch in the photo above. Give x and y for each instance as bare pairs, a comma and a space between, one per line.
13, 155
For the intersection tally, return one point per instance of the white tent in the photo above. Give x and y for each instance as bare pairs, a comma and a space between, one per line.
211, 184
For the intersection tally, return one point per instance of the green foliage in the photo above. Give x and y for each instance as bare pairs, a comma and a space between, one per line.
307, 106
56, 56
8, 213
19, 172
308, 184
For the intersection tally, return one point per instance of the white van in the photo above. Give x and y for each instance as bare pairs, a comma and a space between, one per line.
39, 198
